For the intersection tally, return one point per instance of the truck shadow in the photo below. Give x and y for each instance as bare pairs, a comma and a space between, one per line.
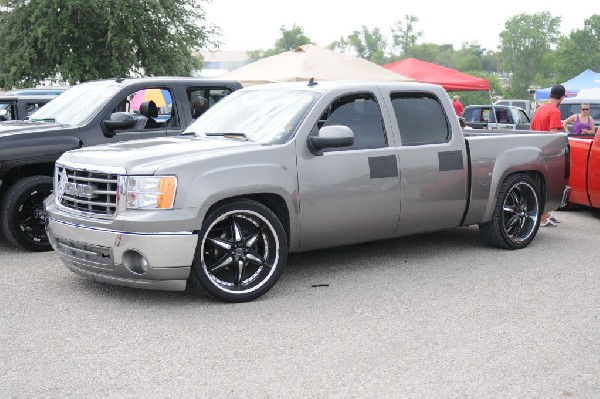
317, 266
311, 270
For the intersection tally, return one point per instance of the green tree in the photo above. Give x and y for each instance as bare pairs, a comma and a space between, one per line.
364, 43
468, 57
404, 35
80, 40
289, 40
524, 45
579, 51
490, 61
428, 52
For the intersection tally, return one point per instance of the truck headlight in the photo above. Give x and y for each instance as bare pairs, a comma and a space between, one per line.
150, 192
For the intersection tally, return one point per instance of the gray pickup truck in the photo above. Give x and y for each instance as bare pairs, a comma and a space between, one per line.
289, 167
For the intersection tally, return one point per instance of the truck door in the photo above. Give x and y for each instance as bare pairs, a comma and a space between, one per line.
155, 112
353, 190
433, 164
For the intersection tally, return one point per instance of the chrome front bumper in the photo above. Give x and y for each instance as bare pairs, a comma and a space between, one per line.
97, 253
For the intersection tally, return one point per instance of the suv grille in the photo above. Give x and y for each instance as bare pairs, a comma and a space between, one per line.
85, 191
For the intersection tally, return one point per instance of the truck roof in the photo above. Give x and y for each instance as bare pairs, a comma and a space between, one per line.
157, 80
32, 97
332, 85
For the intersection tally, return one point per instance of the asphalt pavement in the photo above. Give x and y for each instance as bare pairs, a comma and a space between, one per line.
437, 315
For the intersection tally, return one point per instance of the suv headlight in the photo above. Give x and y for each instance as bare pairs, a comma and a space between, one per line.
150, 192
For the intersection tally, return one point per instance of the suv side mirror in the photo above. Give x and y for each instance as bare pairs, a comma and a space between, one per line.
333, 136
117, 121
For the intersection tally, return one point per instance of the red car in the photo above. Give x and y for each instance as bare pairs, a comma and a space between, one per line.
585, 170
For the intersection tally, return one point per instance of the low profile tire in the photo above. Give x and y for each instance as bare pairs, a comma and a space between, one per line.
517, 213
22, 213
241, 253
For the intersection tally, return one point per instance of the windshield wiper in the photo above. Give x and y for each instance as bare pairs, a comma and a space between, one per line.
236, 136
188, 134
51, 120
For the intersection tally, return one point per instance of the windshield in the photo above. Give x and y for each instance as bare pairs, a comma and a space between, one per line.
76, 105
262, 116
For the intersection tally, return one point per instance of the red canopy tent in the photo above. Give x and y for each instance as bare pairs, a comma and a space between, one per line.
426, 72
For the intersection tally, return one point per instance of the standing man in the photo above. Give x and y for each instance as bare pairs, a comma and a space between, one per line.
458, 107
547, 119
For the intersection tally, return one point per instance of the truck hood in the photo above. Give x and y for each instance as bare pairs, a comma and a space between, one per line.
145, 156
12, 128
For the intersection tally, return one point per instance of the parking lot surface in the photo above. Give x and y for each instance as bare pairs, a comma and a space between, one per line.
437, 315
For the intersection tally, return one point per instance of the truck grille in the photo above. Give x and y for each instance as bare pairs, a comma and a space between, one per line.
86, 191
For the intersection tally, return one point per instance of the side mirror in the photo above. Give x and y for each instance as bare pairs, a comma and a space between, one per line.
117, 121
333, 136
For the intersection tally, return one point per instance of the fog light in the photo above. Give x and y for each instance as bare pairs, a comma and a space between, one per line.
135, 262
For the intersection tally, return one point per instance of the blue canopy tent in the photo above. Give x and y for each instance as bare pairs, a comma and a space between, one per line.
585, 80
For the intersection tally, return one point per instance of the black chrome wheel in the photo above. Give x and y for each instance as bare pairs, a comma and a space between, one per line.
241, 252
521, 212
516, 217
22, 214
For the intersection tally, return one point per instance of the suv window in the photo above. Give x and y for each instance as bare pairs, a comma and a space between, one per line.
7, 112
361, 113
568, 109
421, 119
202, 98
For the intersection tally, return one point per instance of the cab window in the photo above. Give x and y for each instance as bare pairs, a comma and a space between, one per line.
421, 119
362, 114
151, 108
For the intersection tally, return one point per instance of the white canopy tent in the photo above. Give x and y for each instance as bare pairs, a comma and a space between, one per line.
311, 61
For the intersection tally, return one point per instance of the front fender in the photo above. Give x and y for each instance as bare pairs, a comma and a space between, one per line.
250, 179
44, 148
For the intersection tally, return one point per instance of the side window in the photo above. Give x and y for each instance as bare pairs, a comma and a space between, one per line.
502, 116
567, 110
361, 113
473, 115
421, 119
202, 98
151, 107
7, 112
30, 108
595, 112
523, 118
521, 104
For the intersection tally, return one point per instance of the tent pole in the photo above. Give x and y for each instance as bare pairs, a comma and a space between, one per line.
493, 108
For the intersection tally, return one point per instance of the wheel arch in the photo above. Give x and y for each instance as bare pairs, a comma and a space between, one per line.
535, 174
274, 202
14, 174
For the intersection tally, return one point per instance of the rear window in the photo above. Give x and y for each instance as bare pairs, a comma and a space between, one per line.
521, 104
568, 109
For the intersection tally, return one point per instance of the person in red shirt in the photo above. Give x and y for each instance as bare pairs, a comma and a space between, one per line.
547, 119
458, 107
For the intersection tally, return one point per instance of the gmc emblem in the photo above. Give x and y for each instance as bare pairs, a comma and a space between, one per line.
79, 190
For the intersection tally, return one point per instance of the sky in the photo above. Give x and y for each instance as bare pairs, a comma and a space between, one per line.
254, 24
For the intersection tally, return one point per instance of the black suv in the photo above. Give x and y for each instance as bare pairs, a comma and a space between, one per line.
87, 114
17, 106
